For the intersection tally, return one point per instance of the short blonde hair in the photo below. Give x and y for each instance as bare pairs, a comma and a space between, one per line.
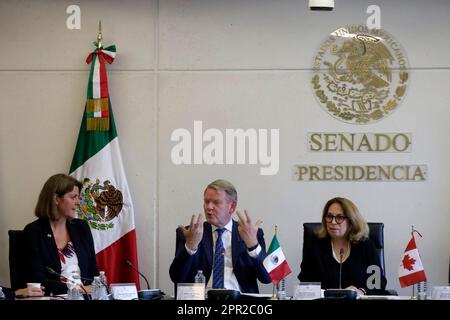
224, 185
358, 230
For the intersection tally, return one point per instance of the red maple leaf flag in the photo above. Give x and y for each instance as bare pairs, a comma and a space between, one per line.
411, 270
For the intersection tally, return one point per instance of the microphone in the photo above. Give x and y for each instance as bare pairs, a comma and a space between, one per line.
149, 294
130, 264
53, 272
342, 294
76, 276
341, 256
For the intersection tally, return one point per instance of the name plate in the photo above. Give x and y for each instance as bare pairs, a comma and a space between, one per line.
308, 291
124, 291
440, 293
191, 291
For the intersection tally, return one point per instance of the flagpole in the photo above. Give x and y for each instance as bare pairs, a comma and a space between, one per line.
414, 289
98, 44
274, 297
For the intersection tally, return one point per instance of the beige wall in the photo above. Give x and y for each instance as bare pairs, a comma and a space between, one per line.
231, 64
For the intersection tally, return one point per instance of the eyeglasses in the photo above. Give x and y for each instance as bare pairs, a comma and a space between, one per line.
339, 218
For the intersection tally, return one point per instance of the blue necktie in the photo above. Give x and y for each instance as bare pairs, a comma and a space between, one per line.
218, 261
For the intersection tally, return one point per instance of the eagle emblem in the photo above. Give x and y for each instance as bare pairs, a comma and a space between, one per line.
100, 203
360, 75
274, 259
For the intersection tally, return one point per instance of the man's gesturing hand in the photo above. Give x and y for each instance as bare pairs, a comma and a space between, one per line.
194, 233
247, 230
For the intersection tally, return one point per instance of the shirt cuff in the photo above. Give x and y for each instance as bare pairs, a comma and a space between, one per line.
255, 252
191, 252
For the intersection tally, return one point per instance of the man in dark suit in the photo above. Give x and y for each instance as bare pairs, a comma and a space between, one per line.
229, 253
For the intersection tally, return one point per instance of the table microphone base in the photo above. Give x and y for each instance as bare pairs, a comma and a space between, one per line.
223, 294
342, 294
151, 294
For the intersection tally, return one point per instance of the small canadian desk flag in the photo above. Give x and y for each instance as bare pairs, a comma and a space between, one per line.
411, 270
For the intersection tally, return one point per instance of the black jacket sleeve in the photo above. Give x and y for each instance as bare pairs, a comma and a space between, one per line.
9, 293
261, 272
184, 266
40, 254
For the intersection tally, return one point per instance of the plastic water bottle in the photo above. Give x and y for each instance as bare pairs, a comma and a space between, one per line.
200, 277
96, 287
422, 290
99, 291
2, 294
281, 290
103, 278
104, 282
74, 293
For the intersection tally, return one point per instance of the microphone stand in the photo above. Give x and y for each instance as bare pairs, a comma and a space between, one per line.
148, 294
341, 294
130, 264
51, 271
341, 255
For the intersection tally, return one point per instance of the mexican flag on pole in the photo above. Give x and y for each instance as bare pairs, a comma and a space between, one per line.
105, 199
275, 262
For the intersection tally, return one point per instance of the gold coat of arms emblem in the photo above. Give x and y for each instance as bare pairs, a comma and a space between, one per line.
360, 75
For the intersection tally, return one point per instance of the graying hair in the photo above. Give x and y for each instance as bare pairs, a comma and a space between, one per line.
226, 186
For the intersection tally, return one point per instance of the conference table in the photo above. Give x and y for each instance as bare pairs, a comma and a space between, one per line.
244, 308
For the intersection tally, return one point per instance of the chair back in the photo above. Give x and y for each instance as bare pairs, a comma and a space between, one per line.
16, 259
376, 234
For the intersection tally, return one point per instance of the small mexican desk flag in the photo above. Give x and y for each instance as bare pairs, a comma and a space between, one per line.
275, 262
105, 199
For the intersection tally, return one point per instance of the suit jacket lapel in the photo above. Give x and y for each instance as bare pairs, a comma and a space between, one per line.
236, 244
50, 243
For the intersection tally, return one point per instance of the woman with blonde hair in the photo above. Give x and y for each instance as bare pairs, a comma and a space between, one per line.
343, 238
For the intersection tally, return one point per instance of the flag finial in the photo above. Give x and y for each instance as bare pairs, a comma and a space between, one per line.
99, 35
276, 229
415, 230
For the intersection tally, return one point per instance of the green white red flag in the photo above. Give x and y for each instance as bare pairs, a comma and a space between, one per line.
97, 162
275, 262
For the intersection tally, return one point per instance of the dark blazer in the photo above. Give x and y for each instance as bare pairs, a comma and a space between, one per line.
9, 293
319, 265
41, 252
247, 269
